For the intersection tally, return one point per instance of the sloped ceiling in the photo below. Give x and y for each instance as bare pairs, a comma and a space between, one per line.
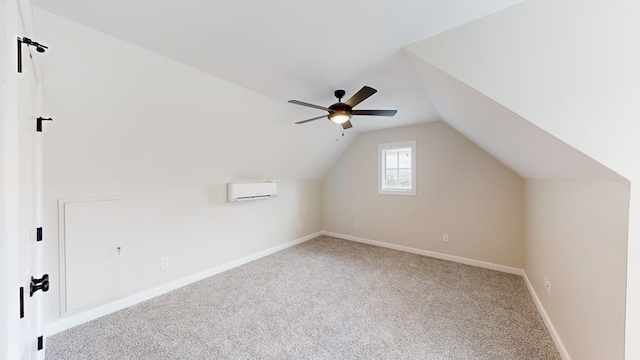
287, 49
259, 55
569, 68
525, 148
123, 113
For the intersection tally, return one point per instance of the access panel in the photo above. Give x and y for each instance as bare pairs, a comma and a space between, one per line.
90, 241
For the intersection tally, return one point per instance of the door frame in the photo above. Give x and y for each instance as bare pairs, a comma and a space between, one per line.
14, 155
9, 181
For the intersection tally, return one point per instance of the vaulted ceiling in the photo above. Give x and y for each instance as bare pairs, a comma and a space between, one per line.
287, 49
270, 52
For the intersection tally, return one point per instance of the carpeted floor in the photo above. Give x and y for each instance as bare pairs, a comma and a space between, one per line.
326, 299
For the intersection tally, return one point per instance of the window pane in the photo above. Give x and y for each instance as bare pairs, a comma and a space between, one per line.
404, 178
391, 158
404, 158
397, 168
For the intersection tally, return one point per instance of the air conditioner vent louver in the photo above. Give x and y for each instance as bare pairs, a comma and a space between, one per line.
247, 191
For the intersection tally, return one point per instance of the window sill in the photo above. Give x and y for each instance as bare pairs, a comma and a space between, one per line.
397, 192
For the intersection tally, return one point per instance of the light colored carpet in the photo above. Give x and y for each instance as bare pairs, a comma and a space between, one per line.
326, 299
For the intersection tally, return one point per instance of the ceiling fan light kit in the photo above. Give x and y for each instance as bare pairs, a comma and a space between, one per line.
339, 117
341, 112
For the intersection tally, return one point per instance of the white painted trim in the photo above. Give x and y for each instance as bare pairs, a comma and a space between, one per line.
94, 313
458, 259
547, 321
10, 155
507, 269
414, 168
102, 310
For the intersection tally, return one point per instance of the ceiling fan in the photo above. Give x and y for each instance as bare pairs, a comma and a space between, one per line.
341, 112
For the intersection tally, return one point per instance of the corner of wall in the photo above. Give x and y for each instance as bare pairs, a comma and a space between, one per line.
547, 320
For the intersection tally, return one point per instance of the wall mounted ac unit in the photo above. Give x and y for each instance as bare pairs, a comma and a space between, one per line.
251, 191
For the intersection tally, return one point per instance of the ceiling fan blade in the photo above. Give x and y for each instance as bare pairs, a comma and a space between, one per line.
315, 118
361, 96
346, 125
309, 105
374, 112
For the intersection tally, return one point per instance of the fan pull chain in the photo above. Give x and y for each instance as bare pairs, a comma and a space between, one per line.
338, 138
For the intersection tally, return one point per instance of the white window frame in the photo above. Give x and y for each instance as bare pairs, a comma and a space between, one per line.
381, 168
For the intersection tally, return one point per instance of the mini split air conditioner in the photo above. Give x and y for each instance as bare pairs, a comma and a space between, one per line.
251, 191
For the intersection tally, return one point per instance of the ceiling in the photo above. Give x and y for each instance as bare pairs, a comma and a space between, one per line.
286, 49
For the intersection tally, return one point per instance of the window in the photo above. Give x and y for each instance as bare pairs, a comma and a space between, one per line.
397, 168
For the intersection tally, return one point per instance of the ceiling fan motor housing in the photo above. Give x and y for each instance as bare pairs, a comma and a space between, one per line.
340, 107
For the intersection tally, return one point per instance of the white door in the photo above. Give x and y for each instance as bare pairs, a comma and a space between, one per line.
30, 193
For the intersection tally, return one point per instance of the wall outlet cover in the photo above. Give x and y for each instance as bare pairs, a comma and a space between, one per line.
547, 285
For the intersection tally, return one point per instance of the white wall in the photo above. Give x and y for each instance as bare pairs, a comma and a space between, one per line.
571, 69
131, 123
576, 236
124, 113
461, 191
189, 222
555, 234
167, 138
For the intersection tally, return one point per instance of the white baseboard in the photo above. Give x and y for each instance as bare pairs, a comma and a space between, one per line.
507, 269
108, 308
70, 321
547, 321
458, 259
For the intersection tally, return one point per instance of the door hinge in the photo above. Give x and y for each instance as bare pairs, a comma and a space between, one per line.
39, 48
39, 121
40, 342
39, 234
19, 55
21, 302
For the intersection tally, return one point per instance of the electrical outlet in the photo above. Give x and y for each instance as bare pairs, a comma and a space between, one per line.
445, 237
357, 224
299, 225
547, 285
164, 262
